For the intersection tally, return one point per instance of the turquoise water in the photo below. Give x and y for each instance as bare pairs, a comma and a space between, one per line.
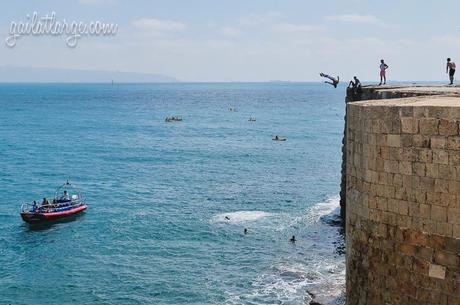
156, 230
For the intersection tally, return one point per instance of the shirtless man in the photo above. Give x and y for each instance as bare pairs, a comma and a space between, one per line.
383, 70
450, 67
355, 84
333, 82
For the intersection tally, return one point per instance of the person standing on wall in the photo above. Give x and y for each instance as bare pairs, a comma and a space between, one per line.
383, 69
450, 67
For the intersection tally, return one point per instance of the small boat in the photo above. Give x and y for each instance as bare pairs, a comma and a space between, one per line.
67, 201
278, 138
171, 119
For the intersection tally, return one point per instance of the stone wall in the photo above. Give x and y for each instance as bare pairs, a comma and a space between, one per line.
385, 92
403, 201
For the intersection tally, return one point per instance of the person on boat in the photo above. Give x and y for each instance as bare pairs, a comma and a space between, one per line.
292, 240
277, 138
334, 81
45, 202
65, 196
34, 206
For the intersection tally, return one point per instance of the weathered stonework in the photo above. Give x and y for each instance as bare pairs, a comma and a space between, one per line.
403, 201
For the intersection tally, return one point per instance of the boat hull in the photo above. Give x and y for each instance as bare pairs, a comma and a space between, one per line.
41, 217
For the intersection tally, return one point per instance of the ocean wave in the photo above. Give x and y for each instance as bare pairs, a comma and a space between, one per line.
327, 211
291, 284
239, 216
328, 207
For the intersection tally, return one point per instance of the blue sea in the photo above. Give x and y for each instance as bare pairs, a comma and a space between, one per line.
168, 202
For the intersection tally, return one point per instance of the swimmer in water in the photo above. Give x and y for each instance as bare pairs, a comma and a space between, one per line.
227, 218
245, 231
292, 240
334, 81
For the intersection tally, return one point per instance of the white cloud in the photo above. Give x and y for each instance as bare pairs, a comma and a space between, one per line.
158, 26
230, 31
355, 18
253, 20
296, 28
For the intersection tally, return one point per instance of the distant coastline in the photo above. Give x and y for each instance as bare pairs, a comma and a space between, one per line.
19, 74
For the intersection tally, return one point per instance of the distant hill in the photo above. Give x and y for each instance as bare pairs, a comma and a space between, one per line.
16, 74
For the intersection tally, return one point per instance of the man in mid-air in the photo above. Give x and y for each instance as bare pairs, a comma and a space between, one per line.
333, 82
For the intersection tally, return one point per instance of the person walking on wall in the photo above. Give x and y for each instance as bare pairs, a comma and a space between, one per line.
450, 68
383, 69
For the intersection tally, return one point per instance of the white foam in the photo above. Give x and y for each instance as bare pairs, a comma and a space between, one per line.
239, 216
284, 284
313, 214
331, 205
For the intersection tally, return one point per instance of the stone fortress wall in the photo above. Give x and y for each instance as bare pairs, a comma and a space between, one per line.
402, 186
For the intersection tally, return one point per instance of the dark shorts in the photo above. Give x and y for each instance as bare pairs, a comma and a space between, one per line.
451, 72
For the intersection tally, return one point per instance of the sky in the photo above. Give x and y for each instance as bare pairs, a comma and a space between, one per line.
246, 40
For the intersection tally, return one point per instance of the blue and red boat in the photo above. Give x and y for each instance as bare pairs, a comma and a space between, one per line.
68, 201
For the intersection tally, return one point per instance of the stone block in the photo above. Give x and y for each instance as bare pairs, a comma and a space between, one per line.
454, 187
391, 166
405, 168
425, 211
440, 156
446, 171
453, 215
454, 157
444, 229
419, 169
421, 141
420, 196
446, 258
382, 204
393, 153
407, 140
447, 200
409, 125
437, 271
381, 139
403, 208
427, 184
456, 231
438, 142
438, 213
428, 126
406, 111
453, 143
394, 140
448, 127
432, 170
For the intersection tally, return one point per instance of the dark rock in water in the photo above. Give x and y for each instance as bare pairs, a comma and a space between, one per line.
313, 296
